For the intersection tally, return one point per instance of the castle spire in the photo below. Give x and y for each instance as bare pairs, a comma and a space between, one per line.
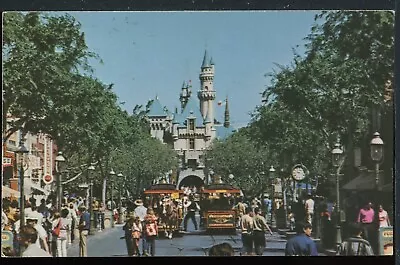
206, 61
226, 121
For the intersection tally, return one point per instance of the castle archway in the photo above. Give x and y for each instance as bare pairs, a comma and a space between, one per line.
191, 181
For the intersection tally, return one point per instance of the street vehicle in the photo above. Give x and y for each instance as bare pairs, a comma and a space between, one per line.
159, 196
216, 202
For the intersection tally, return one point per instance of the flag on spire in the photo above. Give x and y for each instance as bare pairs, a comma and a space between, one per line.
221, 102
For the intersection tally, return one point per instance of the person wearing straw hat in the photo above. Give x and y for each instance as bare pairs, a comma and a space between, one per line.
141, 211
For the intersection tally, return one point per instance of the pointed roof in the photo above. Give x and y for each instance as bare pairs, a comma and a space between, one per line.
192, 110
207, 120
184, 85
206, 60
211, 61
227, 116
156, 109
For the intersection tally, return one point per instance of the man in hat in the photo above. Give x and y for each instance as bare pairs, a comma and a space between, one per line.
141, 211
41, 239
28, 238
192, 207
84, 227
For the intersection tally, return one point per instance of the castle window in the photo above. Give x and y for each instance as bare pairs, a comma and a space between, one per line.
191, 125
191, 144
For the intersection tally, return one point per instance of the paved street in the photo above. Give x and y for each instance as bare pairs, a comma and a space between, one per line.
108, 243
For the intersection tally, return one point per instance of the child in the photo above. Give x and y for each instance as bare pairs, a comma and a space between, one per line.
136, 233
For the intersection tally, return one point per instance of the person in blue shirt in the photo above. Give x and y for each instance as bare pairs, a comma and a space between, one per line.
84, 227
301, 244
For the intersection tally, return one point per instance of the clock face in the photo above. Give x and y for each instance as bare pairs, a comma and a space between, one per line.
298, 173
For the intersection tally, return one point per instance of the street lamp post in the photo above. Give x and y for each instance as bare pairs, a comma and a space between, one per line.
336, 160
59, 160
376, 156
120, 177
271, 177
112, 174
21, 154
91, 169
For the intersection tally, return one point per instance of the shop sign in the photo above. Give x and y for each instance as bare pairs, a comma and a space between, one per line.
7, 162
47, 179
386, 240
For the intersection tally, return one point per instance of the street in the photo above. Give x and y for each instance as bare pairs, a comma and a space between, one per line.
108, 243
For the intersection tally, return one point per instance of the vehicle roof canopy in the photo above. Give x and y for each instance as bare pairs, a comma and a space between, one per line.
162, 188
220, 188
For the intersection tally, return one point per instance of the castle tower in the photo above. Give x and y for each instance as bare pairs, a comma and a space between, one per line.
184, 95
206, 94
227, 122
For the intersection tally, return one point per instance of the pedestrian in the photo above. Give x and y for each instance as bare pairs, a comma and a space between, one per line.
28, 238
240, 210
301, 244
366, 217
260, 226
192, 207
141, 211
223, 249
128, 235
267, 203
383, 217
41, 242
355, 245
136, 234
54, 222
64, 224
309, 209
151, 232
246, 225
84, 227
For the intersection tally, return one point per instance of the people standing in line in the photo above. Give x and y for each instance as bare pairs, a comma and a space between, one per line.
74, 222
141, 211
260, 226
95, 208
84, 227
246, 225
150, 232
301, 244
128, 228
355, 245
28, 238
64, 223
41, 242
137, 231
54, 222
383, 217
309, 209
102, 209
366, 217
192, 207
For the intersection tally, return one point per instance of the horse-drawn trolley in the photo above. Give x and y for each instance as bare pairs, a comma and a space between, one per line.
217, 202
165, 201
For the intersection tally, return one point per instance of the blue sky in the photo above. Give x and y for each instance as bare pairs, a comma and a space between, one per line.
151, 53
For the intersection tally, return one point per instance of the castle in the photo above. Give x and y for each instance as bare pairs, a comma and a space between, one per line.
191, 130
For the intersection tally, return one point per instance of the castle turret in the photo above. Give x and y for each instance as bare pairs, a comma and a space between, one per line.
184, 95
206, 94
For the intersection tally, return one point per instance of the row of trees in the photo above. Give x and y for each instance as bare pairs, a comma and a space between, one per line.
329, 93
51, 88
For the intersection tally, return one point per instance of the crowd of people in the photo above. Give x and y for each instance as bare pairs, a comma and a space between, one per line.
55, 229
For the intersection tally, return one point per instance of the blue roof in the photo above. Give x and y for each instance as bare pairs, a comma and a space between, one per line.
206, 60
176, 119
192, 109
223, 132
156, 109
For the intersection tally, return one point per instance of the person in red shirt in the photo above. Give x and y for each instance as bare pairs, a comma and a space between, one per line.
366, 217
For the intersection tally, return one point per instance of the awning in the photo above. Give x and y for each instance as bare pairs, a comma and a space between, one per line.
8, 192
29, 185
362, 182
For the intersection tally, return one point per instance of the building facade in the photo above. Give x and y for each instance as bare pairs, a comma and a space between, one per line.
191, 130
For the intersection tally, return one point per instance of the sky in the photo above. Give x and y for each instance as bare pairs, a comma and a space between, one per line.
149, 54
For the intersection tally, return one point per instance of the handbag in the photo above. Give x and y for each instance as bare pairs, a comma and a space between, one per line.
56, 230
135, 234
151, 229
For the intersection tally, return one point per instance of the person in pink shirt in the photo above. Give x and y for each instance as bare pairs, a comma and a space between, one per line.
366, 219
383, 217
